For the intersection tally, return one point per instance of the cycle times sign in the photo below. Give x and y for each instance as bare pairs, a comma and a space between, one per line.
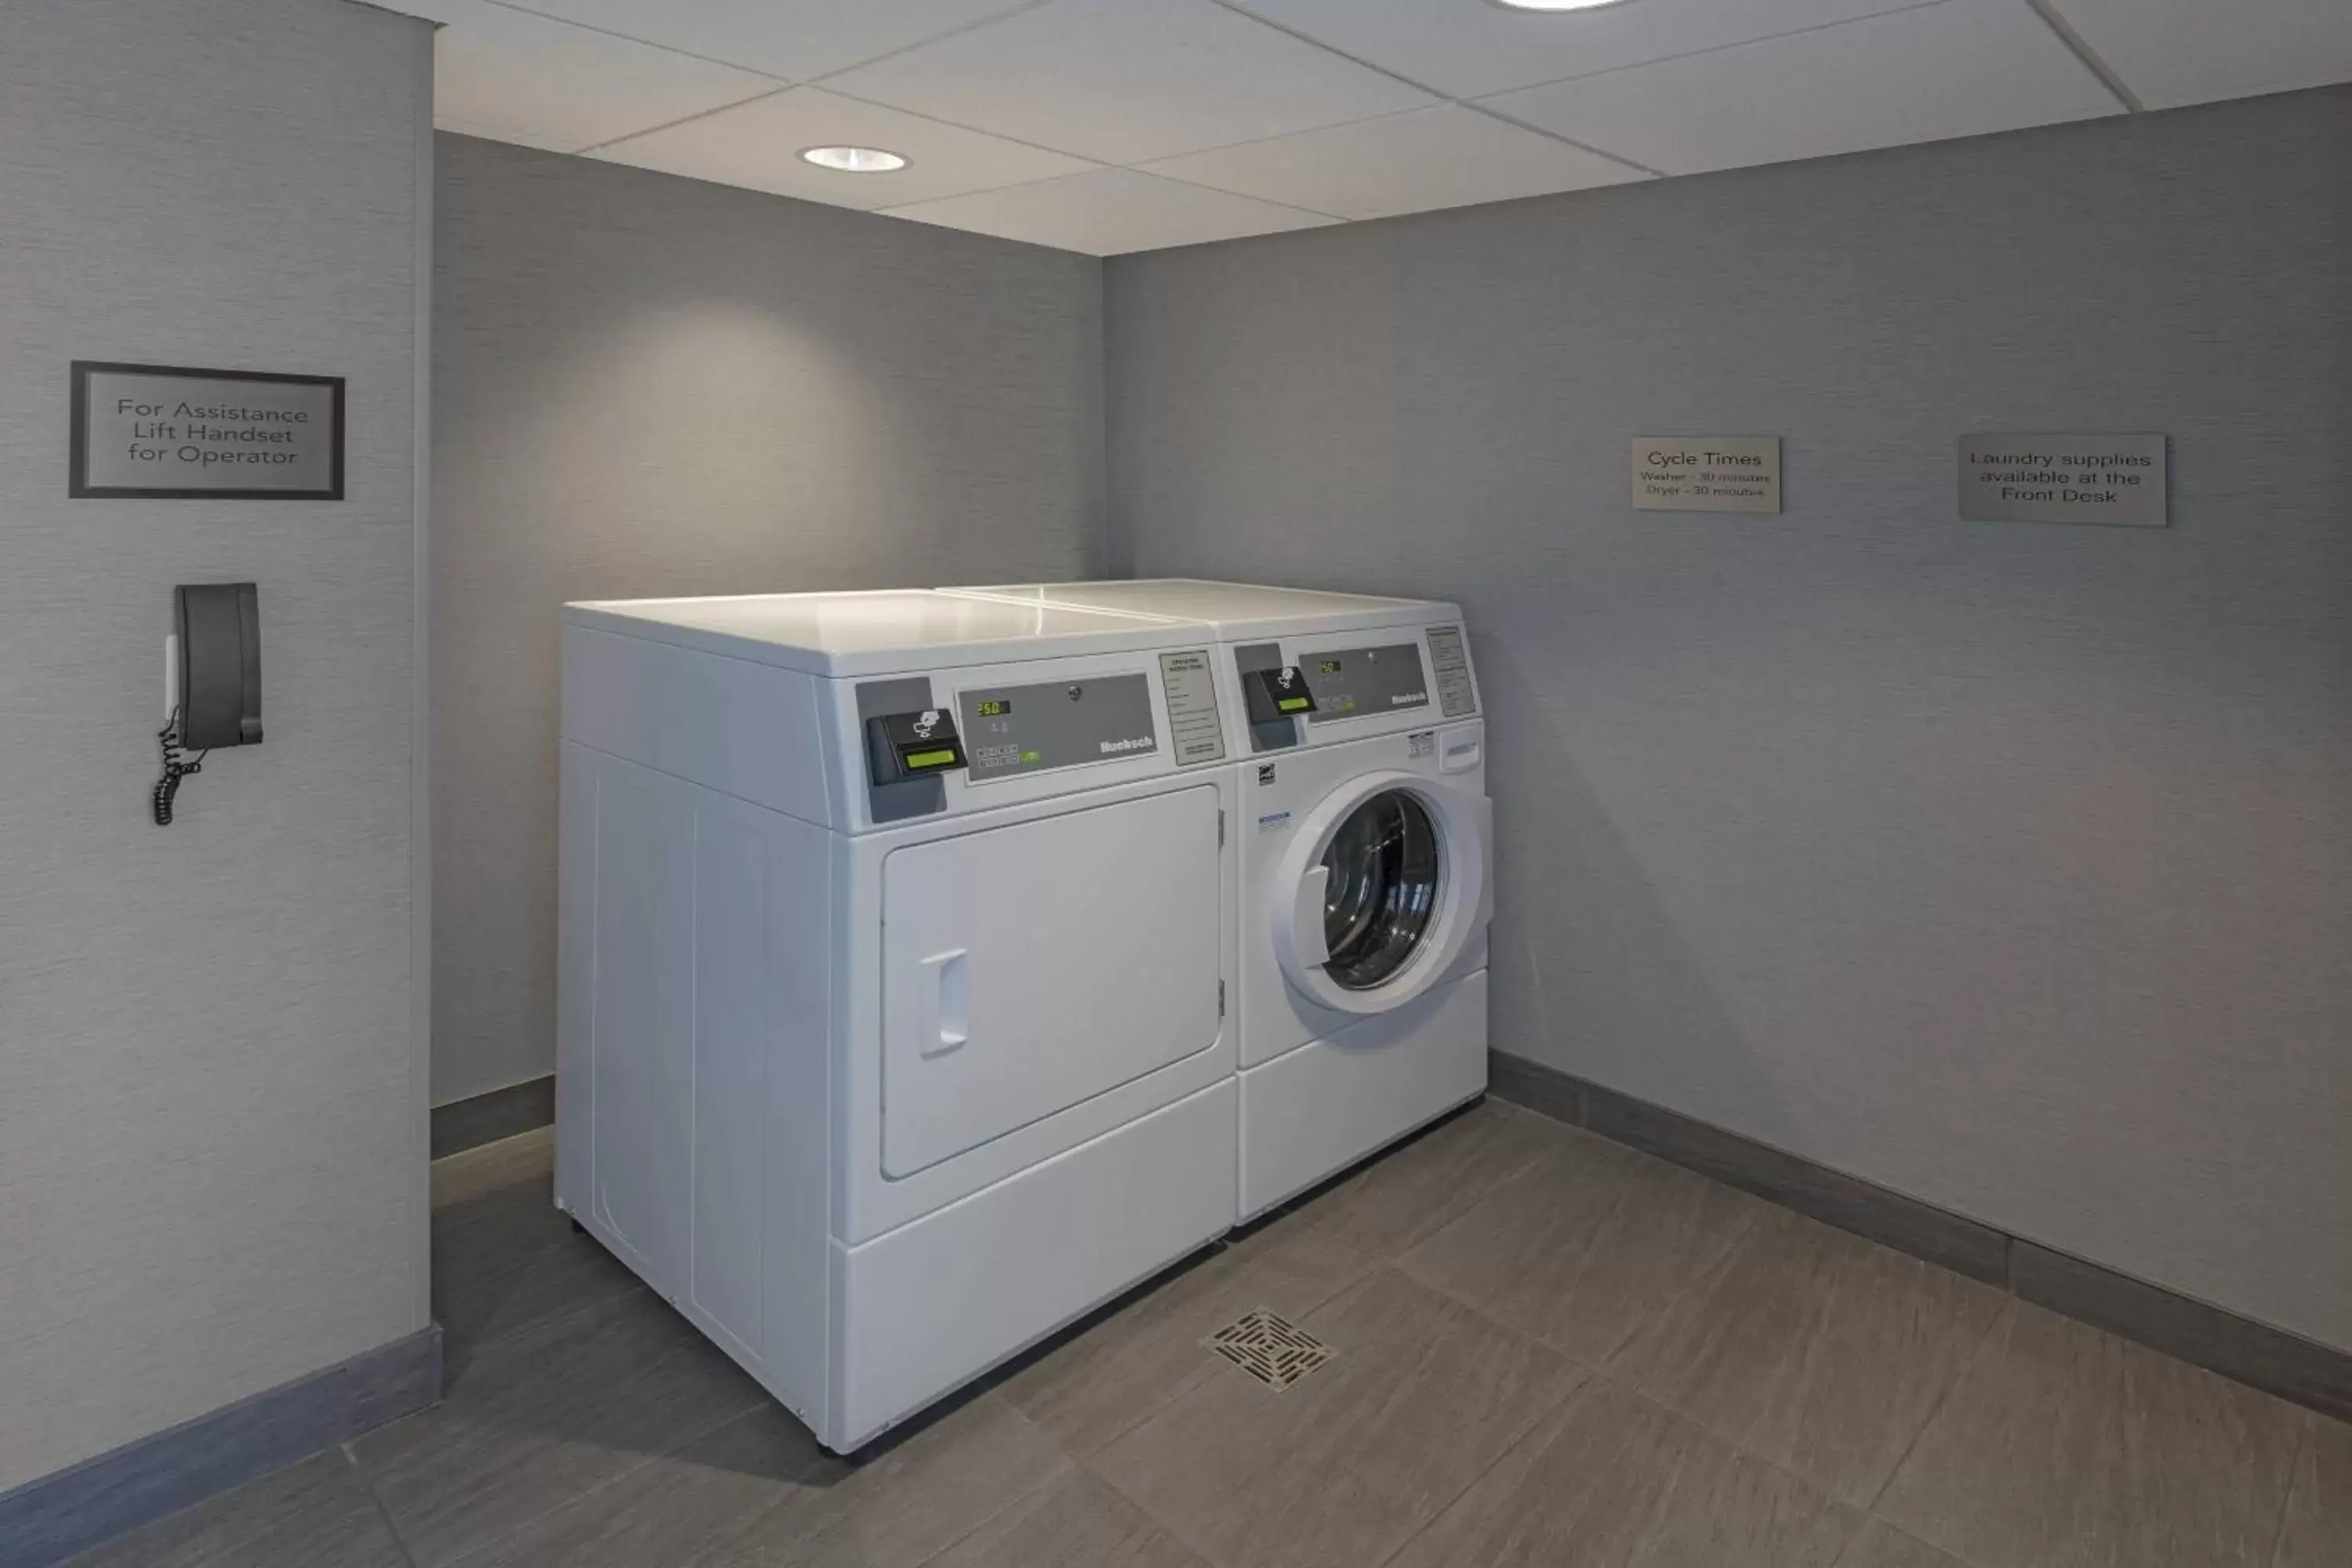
1707, 473
171, 432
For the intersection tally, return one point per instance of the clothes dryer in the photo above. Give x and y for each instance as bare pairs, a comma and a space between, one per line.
897, 949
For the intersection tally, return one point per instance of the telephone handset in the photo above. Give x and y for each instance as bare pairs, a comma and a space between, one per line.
215, 672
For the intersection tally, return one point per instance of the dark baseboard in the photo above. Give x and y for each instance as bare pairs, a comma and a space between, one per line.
2273, 1359
464, 1124
49, 1520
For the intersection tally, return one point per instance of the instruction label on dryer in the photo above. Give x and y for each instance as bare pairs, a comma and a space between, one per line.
1194, 727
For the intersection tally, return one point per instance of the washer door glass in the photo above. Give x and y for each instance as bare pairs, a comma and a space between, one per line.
1381, 890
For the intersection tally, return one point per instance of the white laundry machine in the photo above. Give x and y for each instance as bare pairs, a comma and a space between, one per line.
1366, 859
896, 941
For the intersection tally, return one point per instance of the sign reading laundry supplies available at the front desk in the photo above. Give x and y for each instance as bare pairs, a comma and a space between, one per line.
1014, 730
2118, 480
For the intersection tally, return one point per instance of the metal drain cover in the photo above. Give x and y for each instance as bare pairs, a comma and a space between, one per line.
1272, 1350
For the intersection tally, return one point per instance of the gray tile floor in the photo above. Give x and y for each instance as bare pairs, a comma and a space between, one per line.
1550, 1351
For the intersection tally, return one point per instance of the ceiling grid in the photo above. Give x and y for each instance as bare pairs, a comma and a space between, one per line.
1116, 125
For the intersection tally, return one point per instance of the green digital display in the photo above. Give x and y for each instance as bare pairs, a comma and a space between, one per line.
1328, 667
996, 709
930, 759
1291, 704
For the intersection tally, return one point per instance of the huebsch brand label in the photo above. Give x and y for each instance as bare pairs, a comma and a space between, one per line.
2116, 479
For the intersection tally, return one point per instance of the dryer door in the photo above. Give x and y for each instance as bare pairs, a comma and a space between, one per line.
1387, 884
1028, 968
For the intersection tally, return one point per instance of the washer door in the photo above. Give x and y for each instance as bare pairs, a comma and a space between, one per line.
1389, 881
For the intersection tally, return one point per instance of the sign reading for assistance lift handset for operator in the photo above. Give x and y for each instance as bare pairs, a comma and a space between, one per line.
171, 432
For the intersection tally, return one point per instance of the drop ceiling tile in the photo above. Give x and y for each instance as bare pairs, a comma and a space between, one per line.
1959, 68
757, 145
1471, 48
445, 120
1124, 80
1402, 163
501, 73
798, 39
1111, 211
435, 10
2172, 52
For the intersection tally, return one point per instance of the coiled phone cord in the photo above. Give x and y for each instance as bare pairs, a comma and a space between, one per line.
174, 769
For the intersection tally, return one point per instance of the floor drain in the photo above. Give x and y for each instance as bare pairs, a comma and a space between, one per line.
1274, 1351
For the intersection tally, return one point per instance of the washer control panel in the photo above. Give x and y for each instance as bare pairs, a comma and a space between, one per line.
1355, 683
1009, 730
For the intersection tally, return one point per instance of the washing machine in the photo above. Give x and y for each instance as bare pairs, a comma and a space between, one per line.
1366, 862
898, 965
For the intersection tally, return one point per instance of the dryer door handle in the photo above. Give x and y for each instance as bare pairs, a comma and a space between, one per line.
1307, 917
947, 1002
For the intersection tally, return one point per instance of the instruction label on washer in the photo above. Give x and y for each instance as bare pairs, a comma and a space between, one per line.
1421, 743
1449, 662
1193, 723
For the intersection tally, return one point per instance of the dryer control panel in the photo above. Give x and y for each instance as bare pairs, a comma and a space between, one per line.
1009, 730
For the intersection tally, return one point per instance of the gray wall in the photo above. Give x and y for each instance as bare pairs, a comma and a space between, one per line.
211, 1173
649, 385
2007, 864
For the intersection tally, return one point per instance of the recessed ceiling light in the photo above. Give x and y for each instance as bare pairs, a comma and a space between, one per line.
1556, 4
854, 160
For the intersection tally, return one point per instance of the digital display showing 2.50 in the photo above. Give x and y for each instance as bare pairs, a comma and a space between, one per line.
995, 710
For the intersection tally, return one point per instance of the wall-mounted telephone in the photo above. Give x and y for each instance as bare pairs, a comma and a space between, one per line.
212, 680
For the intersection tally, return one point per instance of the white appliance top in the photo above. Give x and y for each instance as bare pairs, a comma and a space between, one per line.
1239, 611
881, 633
